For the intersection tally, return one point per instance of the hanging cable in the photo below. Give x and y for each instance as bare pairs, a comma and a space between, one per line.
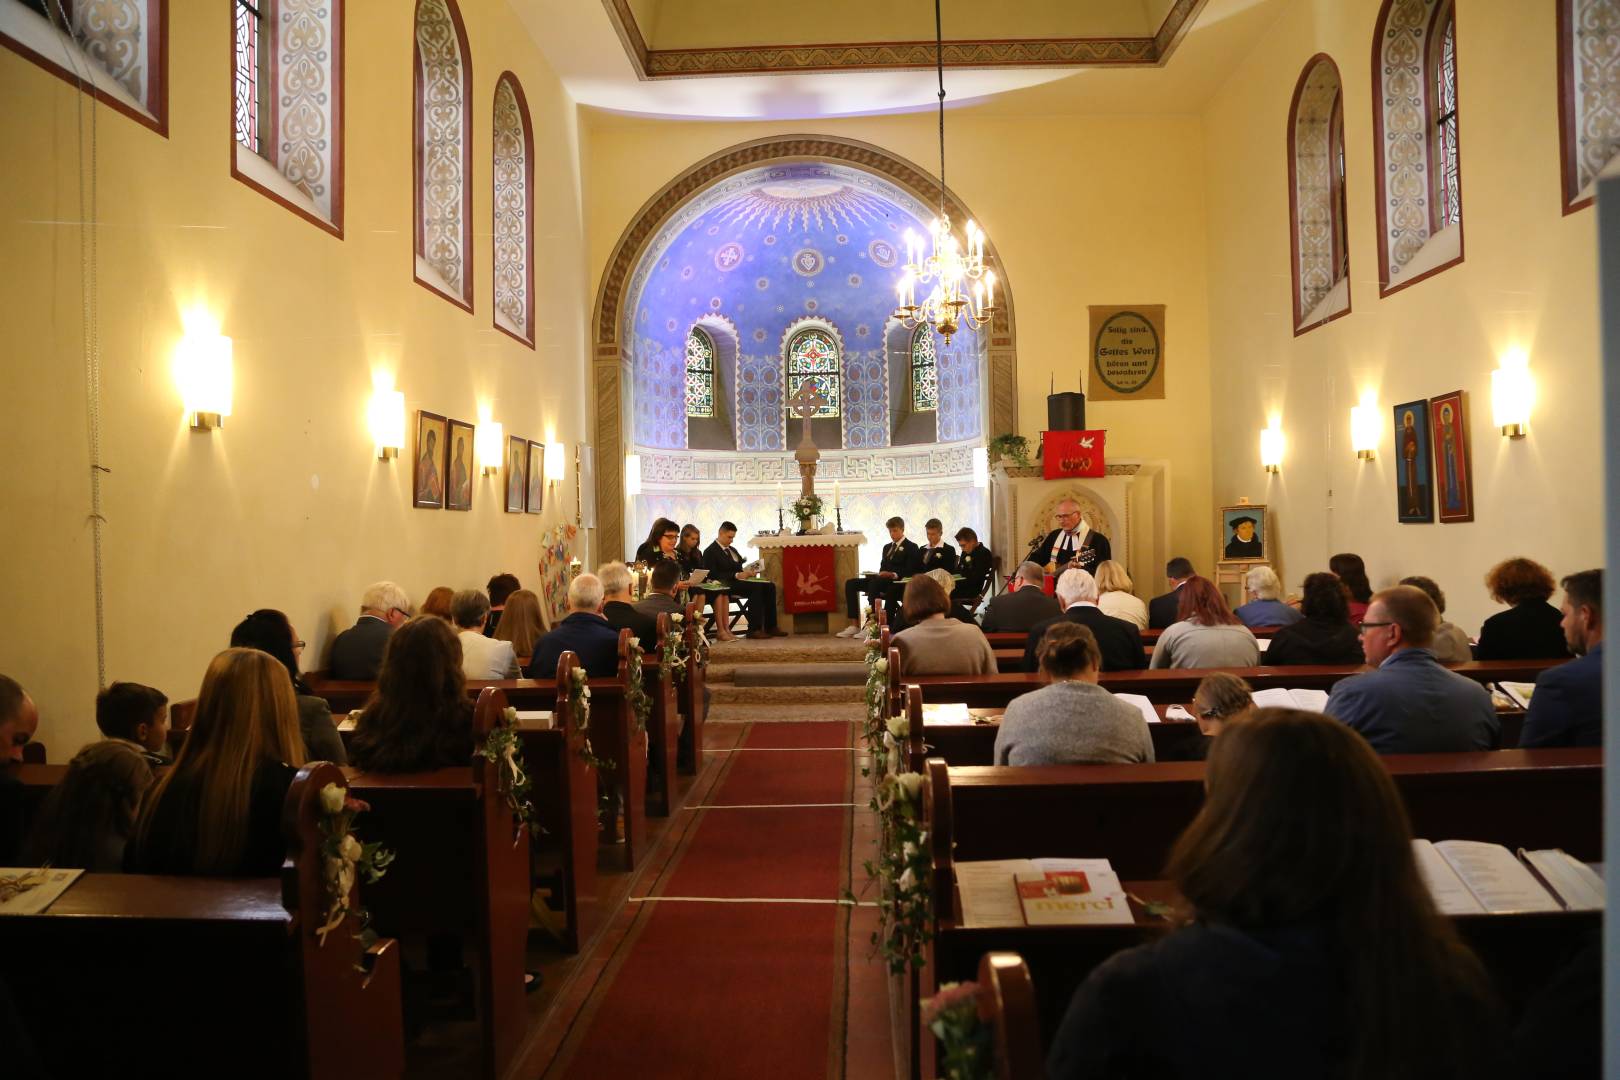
939, 65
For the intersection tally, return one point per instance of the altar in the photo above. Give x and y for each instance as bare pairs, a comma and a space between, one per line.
813, 589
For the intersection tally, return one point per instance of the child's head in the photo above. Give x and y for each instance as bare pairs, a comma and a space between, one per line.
127, 710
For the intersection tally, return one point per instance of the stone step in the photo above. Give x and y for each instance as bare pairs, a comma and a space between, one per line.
790, 713
788, 650
731, 694
841, 673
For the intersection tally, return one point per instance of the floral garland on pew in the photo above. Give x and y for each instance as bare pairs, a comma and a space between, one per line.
343, 858
903, 874
673, 656
967, 1050
504, 747
635, 687
579, 703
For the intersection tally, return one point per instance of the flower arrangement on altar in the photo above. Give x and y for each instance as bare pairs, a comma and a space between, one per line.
344, 859
807, 509
505, 749
967, 1051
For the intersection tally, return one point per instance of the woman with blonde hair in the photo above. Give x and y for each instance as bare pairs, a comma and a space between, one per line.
1114, 594
521, 624
217, 811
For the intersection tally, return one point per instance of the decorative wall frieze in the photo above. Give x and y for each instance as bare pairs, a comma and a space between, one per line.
693, 467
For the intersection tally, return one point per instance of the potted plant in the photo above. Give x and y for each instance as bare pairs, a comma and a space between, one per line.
1013, 447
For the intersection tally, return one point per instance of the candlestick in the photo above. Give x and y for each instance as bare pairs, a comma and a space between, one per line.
838, 512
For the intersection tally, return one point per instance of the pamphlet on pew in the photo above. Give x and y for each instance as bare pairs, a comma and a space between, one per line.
1308, 700
30, 890
1467, 877
1041, 892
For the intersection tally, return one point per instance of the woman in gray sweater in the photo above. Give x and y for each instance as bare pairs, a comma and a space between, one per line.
1073, 721
934, 644
1208, 635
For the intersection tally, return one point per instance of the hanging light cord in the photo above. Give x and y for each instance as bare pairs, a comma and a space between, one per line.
939, 64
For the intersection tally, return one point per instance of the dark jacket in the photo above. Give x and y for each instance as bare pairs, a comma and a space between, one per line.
1527, 631
450, 744
723, 564
940, 558
357, 653
1567, 706
655, 604
1164, 610
1120, 641
1314, 641
1020, 610
172, 831
621, 615
975, 567
321, 739
689, 560
1094, 551
588, 636
1411, 705
12, 799
900, 559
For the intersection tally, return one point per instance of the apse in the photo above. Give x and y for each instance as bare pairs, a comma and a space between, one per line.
774, 276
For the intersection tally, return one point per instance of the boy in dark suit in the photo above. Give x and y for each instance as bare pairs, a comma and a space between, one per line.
975, 564
899, 561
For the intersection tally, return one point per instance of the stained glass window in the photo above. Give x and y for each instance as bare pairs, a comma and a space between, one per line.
1447, 195
924, 371
813, 359
1341, 248
699, 374
248, 90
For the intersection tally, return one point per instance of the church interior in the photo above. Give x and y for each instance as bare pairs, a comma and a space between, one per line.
1158, 326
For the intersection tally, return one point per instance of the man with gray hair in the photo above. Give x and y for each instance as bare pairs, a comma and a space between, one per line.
1265, 607
1119, 641
619, 607
357, 653
1074, 540
584, 633
1022, 605
481, 657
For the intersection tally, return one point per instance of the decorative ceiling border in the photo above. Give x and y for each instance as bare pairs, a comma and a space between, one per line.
899, 55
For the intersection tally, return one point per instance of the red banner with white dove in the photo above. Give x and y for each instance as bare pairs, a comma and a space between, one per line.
807, 580
1072, 453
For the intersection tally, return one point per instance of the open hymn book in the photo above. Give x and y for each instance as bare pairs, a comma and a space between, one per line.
1041, 892
1467, 877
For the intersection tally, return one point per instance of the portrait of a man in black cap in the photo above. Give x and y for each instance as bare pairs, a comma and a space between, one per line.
1244, 544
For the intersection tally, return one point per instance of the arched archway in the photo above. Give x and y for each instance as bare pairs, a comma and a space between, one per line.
611, 362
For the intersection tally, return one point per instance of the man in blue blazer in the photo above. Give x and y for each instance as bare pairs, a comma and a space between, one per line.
1567, 706
1410, 704
584, 633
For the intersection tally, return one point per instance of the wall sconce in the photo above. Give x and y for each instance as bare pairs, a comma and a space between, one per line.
554, 461
203, 369
981, 467
1513, 394
1271, 448
632, 474
385, 415
1365, 429
489, 440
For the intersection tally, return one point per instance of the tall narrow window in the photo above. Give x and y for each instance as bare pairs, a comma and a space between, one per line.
116, 52
443, 74
813, 358
287, 91
1316, 201
1588, 95
514, 211
924, 371
699, 374
1416, 113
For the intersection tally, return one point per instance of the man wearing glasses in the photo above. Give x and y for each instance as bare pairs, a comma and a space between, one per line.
1409, 703
357, 652
1073, 542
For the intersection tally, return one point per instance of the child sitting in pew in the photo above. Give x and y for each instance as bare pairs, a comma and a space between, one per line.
1311, 946
217, 812
420, 717
88, 817
137, 715
1221, 699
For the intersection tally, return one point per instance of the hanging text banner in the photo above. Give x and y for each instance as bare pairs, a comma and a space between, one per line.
808, 582
1127, 352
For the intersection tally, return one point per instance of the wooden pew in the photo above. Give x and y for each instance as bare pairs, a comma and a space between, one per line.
462, 868
1006, 1004
260, 995
691, 693
663, 727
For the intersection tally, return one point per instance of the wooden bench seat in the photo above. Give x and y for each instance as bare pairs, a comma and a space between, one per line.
258, 994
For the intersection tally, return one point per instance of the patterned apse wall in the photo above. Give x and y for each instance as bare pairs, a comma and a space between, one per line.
765, 249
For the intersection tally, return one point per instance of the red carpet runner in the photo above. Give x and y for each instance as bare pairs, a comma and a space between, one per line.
722, 979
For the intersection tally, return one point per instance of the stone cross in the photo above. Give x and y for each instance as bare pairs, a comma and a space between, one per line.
804, 404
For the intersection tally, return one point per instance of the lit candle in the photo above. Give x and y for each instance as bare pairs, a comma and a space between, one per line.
978, 299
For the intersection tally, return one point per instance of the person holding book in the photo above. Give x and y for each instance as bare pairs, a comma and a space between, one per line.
1567, 706
1309, 944
1072, 720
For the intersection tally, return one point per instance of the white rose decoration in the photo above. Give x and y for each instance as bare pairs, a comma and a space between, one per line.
882, 666
332, 799
899, 726
580, 675
909, 783
908, 849
906, 880
676, 616
510, 715
352, 849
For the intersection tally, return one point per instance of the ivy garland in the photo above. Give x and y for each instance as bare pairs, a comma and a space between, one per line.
504, 747
636, 688
579, 703
673, 657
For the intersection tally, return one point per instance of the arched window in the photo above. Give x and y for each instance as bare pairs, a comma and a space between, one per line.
1589, 94
119, 57
1416, 160
812, 357
699, 374
514, 211
443, 175
287, 85
924, 371
1316, 201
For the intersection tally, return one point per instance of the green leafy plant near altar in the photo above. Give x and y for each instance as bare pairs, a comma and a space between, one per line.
1012, 447
807, 509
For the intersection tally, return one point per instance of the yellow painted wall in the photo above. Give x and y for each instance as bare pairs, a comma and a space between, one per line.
1081, 210
1529, 280
286, 506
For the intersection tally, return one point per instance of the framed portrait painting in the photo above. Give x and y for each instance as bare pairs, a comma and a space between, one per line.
536, 499
427, 472
517, 473
1414, 474
1453, 470
1244, 533
458, 470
